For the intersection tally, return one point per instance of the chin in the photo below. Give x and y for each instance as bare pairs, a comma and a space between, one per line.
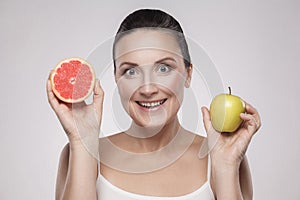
156, 116
149, 121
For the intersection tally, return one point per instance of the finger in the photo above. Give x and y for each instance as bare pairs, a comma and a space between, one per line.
50, 74
98, 98
250, 123
51, 97
204, 149
250, 109
212, 135
206, 118
253, 111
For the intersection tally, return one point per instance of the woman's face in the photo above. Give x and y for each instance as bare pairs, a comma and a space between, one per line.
150, 75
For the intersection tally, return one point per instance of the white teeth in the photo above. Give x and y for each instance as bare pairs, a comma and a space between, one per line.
152, 104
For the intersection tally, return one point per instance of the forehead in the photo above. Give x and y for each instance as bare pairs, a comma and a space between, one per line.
147, 44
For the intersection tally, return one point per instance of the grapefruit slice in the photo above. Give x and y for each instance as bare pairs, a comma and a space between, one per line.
73, 80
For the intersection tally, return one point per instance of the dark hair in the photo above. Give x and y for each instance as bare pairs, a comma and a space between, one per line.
150, 18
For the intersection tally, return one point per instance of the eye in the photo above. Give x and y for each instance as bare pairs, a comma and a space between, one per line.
163, 68
130, 72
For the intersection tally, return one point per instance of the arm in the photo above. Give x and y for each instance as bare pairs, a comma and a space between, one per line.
231, 178
77, 173
62, 172
246, 180
225, 181
236, 180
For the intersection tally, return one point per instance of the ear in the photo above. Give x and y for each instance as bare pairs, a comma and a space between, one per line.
189, 76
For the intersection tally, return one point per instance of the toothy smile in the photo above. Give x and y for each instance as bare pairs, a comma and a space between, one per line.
151, 105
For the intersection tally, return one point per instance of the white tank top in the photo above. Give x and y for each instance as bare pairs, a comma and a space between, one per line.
108, 191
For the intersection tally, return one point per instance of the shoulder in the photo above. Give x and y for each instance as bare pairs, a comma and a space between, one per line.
114, 136
125, 141
120, 140
198, 139
192, 154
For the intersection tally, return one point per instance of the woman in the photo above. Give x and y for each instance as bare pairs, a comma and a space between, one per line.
152, 68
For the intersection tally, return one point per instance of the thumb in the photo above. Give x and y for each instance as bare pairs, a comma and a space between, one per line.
212, 136
205, 148
98, 99
206, 118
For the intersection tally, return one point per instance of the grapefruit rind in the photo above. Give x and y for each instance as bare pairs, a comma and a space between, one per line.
54, 73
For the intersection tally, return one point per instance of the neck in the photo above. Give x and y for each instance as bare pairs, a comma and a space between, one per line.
148, 139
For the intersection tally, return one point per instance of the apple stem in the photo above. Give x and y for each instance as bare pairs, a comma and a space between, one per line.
229, 90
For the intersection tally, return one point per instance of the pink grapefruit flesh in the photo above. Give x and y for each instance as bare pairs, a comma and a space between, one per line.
73, 80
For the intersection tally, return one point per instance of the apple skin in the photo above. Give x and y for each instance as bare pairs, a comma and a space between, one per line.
225, 112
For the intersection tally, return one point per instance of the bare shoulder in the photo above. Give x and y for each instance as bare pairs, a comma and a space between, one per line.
121, 140
197, 142
114, 137
128, 142
187, 172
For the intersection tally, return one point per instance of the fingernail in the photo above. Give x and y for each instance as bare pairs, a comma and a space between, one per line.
202, 110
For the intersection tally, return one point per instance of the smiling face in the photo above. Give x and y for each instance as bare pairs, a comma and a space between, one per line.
151, 75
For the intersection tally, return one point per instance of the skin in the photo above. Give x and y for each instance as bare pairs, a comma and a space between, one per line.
230, 174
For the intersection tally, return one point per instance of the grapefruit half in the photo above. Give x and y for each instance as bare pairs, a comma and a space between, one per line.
73, 80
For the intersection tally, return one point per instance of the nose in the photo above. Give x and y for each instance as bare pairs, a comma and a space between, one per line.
148, 90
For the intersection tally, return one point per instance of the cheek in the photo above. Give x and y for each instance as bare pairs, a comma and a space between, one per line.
175, 84
126, 89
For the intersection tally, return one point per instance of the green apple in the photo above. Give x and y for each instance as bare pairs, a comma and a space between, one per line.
225, 112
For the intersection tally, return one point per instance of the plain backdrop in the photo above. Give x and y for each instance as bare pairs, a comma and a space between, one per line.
254, 44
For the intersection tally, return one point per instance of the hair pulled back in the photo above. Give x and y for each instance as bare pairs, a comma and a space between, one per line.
151, 18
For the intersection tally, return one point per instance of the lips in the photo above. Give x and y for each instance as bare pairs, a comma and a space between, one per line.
151, 104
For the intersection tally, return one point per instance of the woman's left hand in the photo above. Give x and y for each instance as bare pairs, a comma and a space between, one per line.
229, 148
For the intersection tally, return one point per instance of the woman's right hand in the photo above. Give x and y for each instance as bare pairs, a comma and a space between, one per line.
79, 120
79, 160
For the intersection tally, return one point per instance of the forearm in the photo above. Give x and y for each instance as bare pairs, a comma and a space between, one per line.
246, 180
82, 174
226, 182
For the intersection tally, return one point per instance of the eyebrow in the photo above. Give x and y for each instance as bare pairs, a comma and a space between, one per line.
167, 58
128, 63
158, 61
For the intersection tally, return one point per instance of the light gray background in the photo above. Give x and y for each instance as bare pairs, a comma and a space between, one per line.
254, 44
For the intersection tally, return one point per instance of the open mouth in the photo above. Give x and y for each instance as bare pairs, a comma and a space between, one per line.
152, 104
